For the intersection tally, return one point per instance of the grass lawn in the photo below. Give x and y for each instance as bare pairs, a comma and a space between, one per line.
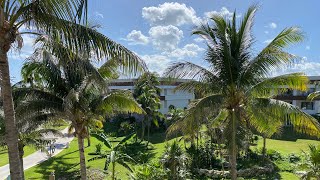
68, 160
4, 154
287, 147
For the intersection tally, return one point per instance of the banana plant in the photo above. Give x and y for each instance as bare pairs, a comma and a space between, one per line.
114, 156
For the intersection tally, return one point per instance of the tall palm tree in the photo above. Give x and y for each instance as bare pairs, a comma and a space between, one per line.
236, 79
74, 90
55, 18
147, 93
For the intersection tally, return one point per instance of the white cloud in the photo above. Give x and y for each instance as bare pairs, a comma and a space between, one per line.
189, 50
308, 48
98, 14
172, 13
165, 38
156, 63
272, 25
267, 41
198, 39
223, 12
266, 32
310, 68
136, 37
25, 51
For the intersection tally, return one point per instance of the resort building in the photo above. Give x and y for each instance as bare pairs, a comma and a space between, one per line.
299, 98
168, 97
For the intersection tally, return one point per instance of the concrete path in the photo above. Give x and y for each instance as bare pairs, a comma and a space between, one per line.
38, 156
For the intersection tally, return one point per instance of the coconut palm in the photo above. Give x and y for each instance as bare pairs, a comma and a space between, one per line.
147, 94
55, 18
114, 155
313, 163
75, 90
236, 79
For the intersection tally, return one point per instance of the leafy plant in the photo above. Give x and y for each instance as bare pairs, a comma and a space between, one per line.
114, 155
313, 163
148, 172
98, 148
175, 161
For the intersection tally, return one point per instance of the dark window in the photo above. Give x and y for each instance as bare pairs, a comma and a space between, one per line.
307, 105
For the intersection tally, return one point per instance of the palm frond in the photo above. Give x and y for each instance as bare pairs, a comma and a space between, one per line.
277, 85
120, 101
279, 112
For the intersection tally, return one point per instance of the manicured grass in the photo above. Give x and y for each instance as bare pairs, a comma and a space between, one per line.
65, 162
68, 160
287, 147
4, 154
288, 176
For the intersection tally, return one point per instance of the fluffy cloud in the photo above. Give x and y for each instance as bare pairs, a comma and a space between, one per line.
189, 50
272, 25
267, 41
223, 12
156, 63
310, 68
172, 13
165, 38
136, 37
25, 51
98, 14
198, 39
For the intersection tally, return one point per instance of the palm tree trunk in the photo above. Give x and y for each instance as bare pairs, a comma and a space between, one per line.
10, 122
142, 126
149, 123
113, 171
264, 150
83, 168
21, 153
233, 148
88, 138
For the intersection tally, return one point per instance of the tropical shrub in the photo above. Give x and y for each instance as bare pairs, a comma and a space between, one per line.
148, 171
174, 161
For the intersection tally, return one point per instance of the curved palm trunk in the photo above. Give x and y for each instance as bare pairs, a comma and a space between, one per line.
264, 150
233, 148
10, 123
113, 177
83, 168
21, 153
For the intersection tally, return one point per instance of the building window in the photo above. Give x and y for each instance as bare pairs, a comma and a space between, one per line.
307, 105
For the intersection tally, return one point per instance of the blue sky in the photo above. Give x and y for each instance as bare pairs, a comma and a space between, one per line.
160, 31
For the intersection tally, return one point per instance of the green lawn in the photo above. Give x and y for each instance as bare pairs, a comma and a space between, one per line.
287, 147
68, 161
4, 154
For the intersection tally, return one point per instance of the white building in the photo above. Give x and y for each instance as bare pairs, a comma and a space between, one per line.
299, 99
179, 99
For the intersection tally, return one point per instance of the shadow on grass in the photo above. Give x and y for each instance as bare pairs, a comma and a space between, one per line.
287, 133
61, 169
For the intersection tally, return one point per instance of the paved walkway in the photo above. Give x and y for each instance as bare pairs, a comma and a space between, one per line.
38, 157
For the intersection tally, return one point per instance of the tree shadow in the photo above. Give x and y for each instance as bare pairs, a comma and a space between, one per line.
139, 151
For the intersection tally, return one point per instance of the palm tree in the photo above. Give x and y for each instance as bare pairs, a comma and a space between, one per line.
115, 155
75, 90
313, 163
147, 94
236, 80
65, 21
